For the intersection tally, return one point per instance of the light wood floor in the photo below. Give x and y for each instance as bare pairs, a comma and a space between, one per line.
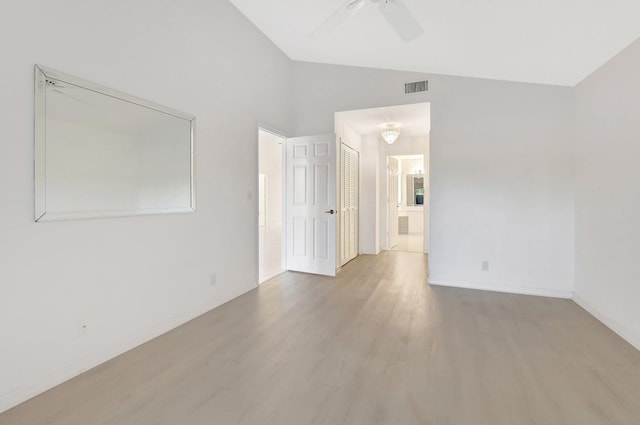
410, 243
375, 345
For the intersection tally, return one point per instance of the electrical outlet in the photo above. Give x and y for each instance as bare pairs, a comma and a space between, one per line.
82, 327
485, 266
213, 280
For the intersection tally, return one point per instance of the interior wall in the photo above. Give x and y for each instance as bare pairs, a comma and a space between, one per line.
270, 160
370, 195
130, 279
607, 199
502, 170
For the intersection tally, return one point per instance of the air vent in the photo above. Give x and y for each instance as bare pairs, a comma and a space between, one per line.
416, 87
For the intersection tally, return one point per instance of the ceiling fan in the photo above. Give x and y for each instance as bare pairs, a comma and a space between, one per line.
395, 12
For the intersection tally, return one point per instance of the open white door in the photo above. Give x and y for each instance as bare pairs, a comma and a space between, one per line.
311, 204
392, 202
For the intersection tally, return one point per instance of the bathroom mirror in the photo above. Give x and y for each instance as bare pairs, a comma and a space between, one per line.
415, 189
102, 153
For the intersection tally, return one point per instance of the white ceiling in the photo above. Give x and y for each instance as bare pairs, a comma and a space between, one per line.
556, 42
411, 120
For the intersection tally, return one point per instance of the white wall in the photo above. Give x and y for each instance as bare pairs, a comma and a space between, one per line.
502, 170
129, 279
271, 151
607, 194
370, 183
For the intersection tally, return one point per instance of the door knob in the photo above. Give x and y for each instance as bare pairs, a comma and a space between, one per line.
330, 212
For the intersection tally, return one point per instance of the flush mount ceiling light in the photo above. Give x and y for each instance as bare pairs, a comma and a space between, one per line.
391, 134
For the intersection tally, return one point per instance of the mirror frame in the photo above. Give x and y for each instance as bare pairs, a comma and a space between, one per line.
45, 77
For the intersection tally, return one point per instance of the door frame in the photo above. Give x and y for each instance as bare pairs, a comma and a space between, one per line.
283, 248
262, 200
427, 199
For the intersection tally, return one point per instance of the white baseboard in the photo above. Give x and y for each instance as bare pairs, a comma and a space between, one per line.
540, 292
624, 332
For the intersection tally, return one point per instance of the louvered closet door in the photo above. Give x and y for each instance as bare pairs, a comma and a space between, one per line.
349, 204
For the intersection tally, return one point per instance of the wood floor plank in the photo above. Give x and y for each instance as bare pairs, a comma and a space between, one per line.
374, 345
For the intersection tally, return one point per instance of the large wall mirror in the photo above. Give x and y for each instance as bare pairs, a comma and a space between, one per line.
415, 189
102, 153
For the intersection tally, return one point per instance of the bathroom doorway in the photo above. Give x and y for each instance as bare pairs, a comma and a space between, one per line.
270, 209
407, 187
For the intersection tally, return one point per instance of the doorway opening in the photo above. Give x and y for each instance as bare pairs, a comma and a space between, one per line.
407, 186
324, 199
270, 205
393, 175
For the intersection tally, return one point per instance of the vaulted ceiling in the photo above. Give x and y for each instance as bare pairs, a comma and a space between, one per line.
556, 42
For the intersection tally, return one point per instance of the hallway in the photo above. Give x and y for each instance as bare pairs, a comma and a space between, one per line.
409, 243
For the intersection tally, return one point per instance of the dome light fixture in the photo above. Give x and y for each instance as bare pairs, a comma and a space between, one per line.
390, 134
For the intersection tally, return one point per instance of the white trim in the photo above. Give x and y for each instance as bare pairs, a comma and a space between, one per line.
283, 250
520, 290
272, 130
624, 332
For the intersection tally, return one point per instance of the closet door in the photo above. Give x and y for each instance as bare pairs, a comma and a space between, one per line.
349, 204
353, 206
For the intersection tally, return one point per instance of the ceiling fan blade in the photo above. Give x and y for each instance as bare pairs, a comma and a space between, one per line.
339, 17
401, 19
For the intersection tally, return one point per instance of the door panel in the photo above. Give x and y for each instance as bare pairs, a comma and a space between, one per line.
321, 181
299, 234
321, 229
310, 194
299, 185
